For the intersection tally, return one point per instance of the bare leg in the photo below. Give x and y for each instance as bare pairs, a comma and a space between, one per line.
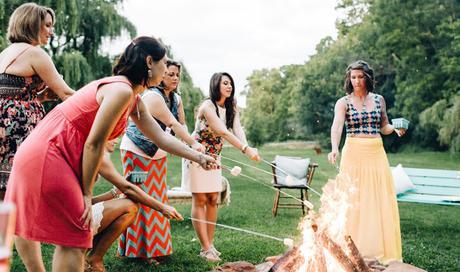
68, 259
118, 214
30, 253
199, 212
211, 215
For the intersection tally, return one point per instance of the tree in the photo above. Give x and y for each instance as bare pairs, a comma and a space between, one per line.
81, 26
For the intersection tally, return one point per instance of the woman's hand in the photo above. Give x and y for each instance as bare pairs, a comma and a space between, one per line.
400, 132
87, 212
332, 156
198, 147
252, 153
171, 213
207, 162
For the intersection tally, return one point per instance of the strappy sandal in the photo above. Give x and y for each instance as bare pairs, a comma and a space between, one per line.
90, 268
152, 261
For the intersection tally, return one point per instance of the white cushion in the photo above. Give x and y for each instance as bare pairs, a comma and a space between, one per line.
401, 180
294, 170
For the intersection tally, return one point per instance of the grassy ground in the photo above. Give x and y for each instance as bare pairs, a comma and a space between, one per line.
430, 233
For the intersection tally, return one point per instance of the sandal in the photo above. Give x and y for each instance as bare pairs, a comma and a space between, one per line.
90, 268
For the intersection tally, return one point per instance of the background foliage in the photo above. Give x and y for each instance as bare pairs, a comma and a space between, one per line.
81, 28
414, 48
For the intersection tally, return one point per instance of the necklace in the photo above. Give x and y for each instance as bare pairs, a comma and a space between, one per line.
363, 107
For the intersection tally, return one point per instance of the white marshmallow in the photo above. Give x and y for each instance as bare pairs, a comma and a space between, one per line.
308, 204
289, 180
236, 170
288, 242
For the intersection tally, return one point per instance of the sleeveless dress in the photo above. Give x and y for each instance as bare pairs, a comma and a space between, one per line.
150, 234
20, 111
373, 216
45, 182
207, 181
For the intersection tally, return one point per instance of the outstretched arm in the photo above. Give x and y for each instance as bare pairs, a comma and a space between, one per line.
150, 128
108, 171
219, 128
157, 107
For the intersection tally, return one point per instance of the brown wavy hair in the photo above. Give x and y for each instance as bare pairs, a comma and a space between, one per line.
368, 75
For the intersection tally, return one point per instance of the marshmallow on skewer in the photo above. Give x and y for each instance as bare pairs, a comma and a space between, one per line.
288, 242
308, 204
236, 170
289, 180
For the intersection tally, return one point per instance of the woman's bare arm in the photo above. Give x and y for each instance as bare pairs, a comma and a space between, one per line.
150, 128
336, 129
44, 67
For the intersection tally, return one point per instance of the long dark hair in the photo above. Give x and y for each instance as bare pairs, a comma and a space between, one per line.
368, 75
214, 95
132, 63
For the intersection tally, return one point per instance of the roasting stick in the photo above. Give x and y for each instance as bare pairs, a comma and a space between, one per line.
266, 172
271, 164
305, 202
286, 241
248, 165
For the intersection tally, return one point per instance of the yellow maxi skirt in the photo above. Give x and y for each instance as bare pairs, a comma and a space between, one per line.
373, 217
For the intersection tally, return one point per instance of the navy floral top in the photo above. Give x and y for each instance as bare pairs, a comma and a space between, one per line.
20, 111
364, 121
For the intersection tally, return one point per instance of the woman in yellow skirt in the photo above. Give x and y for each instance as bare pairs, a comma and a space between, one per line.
373, 217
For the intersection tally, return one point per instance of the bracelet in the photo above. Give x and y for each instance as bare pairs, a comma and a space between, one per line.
114, 193
244, 148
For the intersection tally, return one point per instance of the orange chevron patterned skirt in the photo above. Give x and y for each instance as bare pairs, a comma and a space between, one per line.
150, 234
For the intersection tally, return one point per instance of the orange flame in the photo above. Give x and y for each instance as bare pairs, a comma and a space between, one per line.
332, 220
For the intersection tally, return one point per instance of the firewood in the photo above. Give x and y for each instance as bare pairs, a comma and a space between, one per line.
290, 261
355, 256
337, 252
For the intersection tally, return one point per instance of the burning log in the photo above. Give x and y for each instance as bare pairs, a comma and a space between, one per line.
351, 262
337, 252
320, 259
290, 261
355, 256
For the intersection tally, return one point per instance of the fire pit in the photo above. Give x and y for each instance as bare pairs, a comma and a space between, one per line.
325, 246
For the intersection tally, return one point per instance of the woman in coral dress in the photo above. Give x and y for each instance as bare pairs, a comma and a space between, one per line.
53, 174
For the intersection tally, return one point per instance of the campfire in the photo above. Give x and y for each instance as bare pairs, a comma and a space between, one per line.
325, 246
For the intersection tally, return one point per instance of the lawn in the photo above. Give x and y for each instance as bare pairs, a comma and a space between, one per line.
430, 233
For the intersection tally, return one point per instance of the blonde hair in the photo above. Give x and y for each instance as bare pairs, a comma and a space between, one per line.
26, 22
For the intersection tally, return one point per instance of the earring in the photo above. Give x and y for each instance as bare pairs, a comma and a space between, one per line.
150, 73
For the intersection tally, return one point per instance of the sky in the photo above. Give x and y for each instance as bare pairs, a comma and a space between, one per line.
237, 36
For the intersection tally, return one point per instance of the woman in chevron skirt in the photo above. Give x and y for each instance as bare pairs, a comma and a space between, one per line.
150, 235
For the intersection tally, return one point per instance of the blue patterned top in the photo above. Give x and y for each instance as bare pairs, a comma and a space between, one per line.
365, 122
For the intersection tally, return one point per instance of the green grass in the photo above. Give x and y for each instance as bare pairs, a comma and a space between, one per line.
430, 233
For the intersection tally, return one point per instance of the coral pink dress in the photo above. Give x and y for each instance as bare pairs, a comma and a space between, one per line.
45, 181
